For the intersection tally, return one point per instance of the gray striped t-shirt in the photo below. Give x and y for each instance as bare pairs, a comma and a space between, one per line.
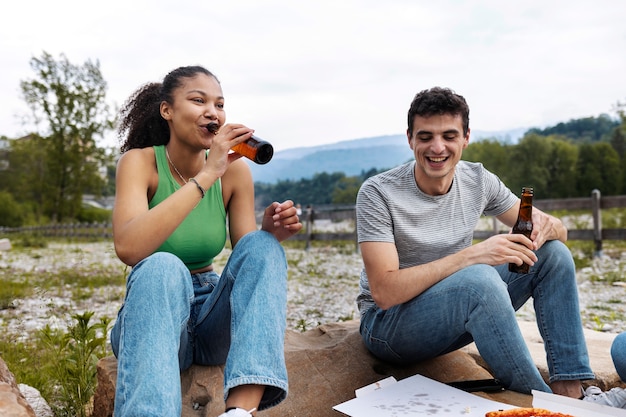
391, 208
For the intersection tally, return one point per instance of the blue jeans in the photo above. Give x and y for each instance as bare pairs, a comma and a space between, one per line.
478, 304
618, 354
171, 319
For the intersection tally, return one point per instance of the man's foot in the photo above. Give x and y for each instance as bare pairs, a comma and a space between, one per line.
567, 388
615, 397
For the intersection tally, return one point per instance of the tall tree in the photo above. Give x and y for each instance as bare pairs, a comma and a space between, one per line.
598, 167
561, 169
68, 106
584, 130
618, 140
493, 154
27, 170
345, 190
528, 165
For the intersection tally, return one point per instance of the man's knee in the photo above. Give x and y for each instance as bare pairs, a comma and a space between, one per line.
482, 280
556, 254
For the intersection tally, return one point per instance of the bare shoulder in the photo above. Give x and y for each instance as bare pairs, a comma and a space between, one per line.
138, 157
237, 173
137, 168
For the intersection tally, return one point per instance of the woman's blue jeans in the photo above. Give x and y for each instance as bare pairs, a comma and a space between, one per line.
618, 354
171, 319
478, 304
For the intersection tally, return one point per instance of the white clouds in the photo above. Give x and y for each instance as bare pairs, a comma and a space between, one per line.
304, 73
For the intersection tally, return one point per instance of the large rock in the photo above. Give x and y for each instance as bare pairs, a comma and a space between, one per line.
325, 366
598, 344
12, 402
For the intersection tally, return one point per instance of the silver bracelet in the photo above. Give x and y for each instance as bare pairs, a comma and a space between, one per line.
202, 190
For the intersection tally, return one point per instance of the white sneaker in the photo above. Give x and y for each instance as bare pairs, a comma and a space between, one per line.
237, 412
615, 397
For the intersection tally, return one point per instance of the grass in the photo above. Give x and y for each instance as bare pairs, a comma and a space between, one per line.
59, 362
65, 362
11, 291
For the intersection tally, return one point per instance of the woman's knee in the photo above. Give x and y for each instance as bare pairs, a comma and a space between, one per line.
261, 245
162, 271
261, 239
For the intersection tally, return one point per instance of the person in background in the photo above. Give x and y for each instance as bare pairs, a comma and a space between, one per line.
618, 354
615, 397
427, 290
177, 186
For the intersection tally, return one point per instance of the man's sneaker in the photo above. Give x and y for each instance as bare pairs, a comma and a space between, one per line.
237, 412
615, 397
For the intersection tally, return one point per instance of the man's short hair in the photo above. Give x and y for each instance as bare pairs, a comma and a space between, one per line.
438, 101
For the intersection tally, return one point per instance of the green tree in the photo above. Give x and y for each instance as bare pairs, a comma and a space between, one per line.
27, 168
584, 130
493, 154
68, 106
561, 169
618, 141
346, 190
528, 165
11, 214
598, 167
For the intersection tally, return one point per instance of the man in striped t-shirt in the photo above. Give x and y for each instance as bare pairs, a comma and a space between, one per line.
427, 290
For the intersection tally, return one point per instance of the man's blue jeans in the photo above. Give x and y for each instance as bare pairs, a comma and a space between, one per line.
478, 303
171, 319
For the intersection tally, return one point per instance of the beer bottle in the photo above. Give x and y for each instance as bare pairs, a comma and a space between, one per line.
255, 149
524, 224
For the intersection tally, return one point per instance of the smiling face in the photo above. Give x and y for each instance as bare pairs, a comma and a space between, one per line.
196, 110
437, 142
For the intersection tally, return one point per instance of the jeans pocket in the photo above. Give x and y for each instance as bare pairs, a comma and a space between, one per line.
380, 347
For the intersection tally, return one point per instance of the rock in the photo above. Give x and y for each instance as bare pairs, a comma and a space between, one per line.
12, 402
5, 244
33, 397
325, 366
598, 345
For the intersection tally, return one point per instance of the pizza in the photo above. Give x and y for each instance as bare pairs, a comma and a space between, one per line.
526, 412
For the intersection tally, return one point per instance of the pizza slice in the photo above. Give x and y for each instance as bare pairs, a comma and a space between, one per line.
526, 412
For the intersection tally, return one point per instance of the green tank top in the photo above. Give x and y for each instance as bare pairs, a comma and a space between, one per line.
202, 235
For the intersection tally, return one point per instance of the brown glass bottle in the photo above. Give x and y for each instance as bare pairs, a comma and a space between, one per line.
255, 149
524, 224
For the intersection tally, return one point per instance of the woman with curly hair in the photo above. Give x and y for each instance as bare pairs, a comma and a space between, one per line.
178, 187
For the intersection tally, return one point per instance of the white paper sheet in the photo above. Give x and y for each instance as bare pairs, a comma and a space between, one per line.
573, 406
419, 396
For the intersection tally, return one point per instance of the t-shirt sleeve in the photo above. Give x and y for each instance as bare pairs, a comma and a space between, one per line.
373, 217
498, 196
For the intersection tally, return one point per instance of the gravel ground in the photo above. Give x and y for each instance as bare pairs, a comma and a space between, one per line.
323, 284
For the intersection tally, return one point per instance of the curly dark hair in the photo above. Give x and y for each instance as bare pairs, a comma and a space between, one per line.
437, 101
140, 117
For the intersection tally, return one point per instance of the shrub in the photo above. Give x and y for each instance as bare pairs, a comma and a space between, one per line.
11, 212
88, 214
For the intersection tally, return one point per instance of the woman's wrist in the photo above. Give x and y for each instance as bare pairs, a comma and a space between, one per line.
203, 180
199, 187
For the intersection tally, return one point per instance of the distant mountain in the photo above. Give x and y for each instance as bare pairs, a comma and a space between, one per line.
352, 157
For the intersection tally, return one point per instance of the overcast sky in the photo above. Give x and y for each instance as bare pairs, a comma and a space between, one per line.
308, 73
